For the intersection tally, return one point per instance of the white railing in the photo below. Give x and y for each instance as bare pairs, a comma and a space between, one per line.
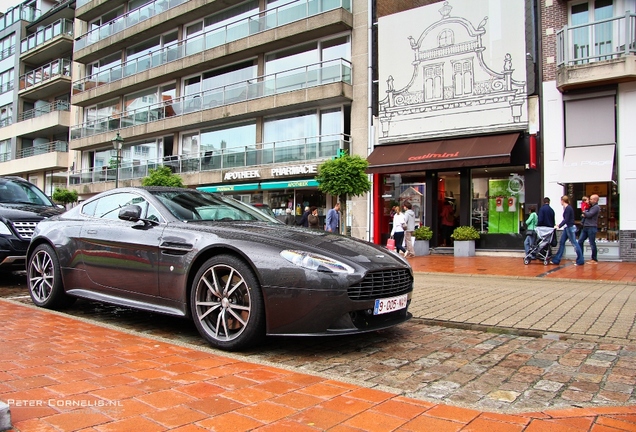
125, 21
55, 146
59, 67
45, 109
299, 151
45, 34
257, 23
601, 40
304, 77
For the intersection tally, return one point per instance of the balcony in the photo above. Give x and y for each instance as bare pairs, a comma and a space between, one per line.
308, 85
602, 52
19, 13
50, 156
215, 161
46, 81
49, 119
53, 41
151, 20
125, 21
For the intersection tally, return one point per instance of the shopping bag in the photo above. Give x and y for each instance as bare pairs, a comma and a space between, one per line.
390, 244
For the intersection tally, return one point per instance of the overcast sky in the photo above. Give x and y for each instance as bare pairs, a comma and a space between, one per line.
6, 4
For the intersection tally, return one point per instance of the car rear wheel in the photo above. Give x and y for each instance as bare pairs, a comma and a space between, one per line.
227, 304
44, 279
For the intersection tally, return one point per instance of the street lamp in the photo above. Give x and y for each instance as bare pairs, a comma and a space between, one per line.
118, 143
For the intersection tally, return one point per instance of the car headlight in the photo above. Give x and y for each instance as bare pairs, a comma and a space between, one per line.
4, 229
315, 262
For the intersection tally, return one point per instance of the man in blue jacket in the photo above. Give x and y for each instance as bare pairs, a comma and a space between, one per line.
590, 227
546, 214
333, 219
569, 233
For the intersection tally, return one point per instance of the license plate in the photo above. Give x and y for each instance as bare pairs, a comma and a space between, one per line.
390, 304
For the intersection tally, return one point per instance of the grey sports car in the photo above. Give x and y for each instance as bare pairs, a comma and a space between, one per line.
237, 272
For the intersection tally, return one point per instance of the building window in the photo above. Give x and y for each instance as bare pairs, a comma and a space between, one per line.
592, 41
498, 200
445, 38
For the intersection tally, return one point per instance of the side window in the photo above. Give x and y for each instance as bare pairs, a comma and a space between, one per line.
108, 206
89, 209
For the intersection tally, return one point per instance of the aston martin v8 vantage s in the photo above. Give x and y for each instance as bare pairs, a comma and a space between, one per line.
237, 272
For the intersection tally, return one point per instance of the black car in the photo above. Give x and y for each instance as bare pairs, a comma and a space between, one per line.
22, 206
238, 273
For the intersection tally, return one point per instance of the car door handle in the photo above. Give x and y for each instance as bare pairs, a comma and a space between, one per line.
91, 231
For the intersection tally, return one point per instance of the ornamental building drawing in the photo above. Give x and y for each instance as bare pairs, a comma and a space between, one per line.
456, 78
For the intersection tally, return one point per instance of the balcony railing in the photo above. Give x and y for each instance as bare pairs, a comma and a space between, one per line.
45, 109
59, 67
308, 76
299, 150
43, 35
256, 23
601, 40
7, 121
125, 21
22, 12
55, 146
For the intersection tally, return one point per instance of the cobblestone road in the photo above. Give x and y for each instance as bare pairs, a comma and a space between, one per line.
486, 370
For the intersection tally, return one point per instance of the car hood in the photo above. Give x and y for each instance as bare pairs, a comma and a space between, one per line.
28, 211
342, 247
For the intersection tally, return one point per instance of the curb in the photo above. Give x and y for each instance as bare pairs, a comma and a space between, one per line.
5, 417
532, 278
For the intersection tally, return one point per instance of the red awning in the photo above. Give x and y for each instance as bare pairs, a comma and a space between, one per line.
445, 154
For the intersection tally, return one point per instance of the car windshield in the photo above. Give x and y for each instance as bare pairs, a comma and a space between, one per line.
188, 205
22, 192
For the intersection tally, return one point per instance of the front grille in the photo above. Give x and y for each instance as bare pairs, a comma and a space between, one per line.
385, 283
25, 229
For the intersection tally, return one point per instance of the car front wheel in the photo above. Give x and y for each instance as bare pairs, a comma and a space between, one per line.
227, 304
44, 279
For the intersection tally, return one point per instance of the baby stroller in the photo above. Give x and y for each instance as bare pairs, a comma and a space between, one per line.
541, 249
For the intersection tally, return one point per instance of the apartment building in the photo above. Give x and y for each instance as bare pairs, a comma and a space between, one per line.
36, 43
245, 98
588, 110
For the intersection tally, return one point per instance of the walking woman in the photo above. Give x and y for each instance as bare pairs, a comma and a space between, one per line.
569, 233
397, 232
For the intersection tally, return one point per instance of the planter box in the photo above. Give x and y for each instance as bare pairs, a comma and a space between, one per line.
464, 248
421, 247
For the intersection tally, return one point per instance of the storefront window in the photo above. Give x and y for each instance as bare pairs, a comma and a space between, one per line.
608, 202
397, 189
498, 200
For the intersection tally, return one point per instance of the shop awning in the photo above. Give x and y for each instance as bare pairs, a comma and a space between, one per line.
230, 188
451, 154
587, 164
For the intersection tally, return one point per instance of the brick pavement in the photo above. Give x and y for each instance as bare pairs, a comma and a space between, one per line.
152, 384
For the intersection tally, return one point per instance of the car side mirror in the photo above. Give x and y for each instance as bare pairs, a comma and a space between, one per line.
130, 213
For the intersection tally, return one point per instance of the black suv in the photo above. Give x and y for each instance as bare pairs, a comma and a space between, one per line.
22, 206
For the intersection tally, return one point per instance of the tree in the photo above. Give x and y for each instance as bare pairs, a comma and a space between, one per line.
162, 176
64, 196
343, 176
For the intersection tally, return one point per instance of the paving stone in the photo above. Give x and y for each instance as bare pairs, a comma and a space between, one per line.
547, 385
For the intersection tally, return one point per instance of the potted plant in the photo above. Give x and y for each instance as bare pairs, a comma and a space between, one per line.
422, 236
464, 240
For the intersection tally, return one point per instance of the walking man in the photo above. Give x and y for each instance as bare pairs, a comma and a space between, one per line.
546, 217
409, 216
333, 219
590, 227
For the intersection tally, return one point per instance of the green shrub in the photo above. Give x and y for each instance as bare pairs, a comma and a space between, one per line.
423, 233
463, 233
